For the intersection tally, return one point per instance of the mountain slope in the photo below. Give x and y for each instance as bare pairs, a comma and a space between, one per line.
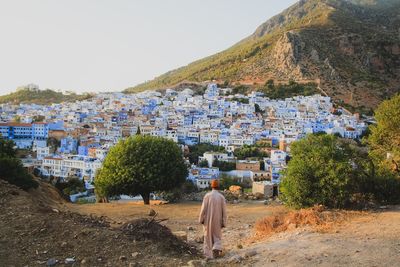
352, 48
42, 97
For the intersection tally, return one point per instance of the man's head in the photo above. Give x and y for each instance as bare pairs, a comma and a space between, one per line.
214, 184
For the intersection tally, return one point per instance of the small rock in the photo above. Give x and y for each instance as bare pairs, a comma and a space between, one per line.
250, 253
272, 260
135, 255
63, 244
83, 261
69, 261
266, 202
122, 258
152, 212
190, 228
56, 210
182, 235
239, 246
51, 262
196, 263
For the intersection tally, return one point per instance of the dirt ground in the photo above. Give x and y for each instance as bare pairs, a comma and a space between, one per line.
366, 239
39, 226
184, 216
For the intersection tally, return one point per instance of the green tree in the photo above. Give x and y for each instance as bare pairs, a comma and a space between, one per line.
203, 163
224, 166
327, 170
198, 150
140, 165
11, 169
384, 137
247, 151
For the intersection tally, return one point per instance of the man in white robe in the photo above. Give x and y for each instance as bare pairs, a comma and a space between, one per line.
213, 218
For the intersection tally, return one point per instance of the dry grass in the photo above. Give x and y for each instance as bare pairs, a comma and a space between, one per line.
317, 217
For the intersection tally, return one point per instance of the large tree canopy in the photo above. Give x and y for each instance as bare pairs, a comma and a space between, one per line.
384, 140
326, 170
140, 165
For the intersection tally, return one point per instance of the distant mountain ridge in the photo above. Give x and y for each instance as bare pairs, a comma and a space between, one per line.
42, 97
350, 48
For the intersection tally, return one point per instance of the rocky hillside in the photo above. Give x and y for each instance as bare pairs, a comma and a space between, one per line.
351, 48
42, 97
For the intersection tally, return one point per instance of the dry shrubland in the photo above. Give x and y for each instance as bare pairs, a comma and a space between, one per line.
317, 217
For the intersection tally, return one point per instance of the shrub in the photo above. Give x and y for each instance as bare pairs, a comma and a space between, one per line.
326, 170
11, 169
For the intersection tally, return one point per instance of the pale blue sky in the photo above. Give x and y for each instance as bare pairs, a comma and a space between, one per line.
109, 45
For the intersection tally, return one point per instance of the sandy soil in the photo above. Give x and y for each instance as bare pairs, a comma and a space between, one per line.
182, 216
370, 239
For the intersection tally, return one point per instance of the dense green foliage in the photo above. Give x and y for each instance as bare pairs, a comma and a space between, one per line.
72, 186
203, 163
247, 151
42, 97
335, 172
323, 170
176, 194
198, 150
11, 169
384, 137
240, 100
227, 181
224, 166
291, 89
141, 165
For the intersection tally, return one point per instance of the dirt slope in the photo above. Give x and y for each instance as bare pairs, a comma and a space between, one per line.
37, 228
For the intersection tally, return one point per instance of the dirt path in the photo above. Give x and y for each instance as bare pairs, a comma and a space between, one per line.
370, 240
182, 216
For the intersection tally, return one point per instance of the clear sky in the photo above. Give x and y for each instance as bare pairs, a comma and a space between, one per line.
109, 45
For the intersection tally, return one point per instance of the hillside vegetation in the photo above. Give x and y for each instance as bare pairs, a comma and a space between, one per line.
350, 48
41, 97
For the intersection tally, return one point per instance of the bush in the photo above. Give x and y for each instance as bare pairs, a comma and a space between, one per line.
176, 194
172, 196
11, 169
203, 163
224, 165
198, 150
325, 170
227, 181
386, 188
72, 186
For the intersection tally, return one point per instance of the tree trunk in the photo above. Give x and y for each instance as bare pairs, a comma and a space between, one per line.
146, 198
